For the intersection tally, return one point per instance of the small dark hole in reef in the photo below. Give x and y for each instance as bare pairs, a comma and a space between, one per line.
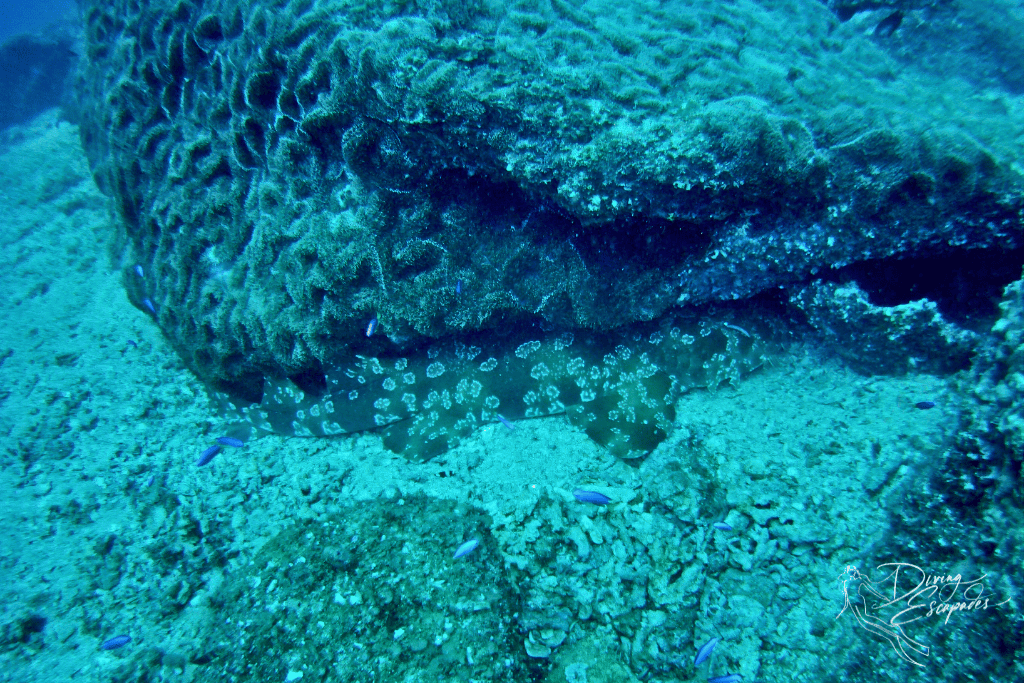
913, 190
987, 547
209, 29
966, 286
953, 177
106, 545
34, 623
263, 88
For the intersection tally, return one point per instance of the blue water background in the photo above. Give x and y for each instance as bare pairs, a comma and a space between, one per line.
18, 16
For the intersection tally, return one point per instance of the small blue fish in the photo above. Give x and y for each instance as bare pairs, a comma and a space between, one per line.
728, 678
924, 405
149, 306
466, 548
722, 526
505, 421
458, 287
705, 651
115, 642
591, 497
371, 327
208, 455
229, 441
138, 270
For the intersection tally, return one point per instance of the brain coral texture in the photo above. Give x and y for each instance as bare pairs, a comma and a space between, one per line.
284, 172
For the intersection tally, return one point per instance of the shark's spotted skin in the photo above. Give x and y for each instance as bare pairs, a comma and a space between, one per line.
619, 387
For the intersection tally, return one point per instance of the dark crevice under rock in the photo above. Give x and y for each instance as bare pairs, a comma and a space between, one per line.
966, 285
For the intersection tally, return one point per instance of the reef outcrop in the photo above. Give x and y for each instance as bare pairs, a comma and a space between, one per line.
285, 172
885, 339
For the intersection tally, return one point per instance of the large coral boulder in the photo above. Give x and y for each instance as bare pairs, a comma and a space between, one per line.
286, 172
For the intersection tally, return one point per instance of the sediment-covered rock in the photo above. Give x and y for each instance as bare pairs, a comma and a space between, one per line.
884, 339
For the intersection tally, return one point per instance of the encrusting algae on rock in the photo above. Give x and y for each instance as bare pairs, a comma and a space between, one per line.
620, 387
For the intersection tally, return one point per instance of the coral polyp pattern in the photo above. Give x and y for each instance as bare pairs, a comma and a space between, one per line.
619, 387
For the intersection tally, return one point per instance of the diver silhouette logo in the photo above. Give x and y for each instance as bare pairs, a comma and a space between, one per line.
855, 585
915, 595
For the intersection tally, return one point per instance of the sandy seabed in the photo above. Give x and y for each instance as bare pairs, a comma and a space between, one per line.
96, 410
